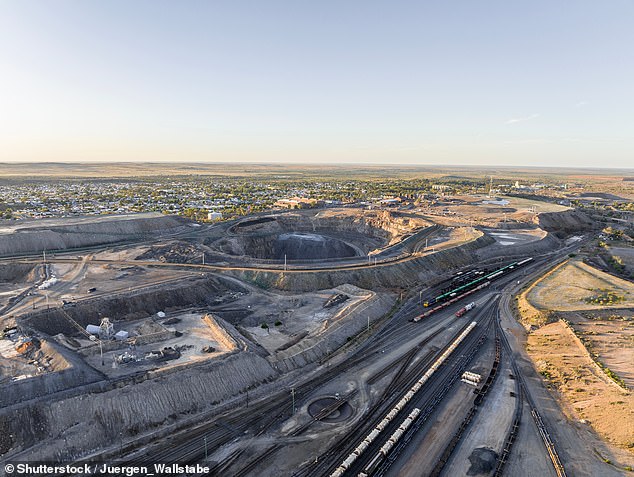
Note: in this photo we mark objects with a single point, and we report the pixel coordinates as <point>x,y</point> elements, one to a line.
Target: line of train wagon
<point>371,437</point>
<point>450,302</point>
<point>389,444</point>
<point>452,296</point>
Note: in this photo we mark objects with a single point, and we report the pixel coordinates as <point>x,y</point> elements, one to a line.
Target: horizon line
<point>317,164</point>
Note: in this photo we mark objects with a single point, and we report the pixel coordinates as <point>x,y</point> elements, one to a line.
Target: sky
<point>541,83</point>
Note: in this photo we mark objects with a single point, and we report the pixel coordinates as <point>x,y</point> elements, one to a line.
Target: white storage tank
<point>93,329</point>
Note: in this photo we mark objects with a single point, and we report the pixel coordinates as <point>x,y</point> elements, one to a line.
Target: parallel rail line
<point>541,426</point>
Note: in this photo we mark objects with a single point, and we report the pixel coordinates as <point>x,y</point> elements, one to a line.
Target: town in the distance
<point>296,320</point>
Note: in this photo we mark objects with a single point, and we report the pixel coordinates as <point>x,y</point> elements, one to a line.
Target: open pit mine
<point>310,342</point>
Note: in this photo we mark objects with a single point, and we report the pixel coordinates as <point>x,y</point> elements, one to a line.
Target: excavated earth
<point>62,234</point>
<point>315,235</point>
<point>193,292</point>
<point>62,417</point>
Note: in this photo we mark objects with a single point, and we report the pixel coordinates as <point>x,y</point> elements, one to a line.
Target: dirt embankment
<point>219,333</point>
<point>578,286</point>
<point>62,429</point>
<point>132,306</point>
<point>585,390</point>
<point>531,315</point>
<point>546,244</point>
<point>388,276</point>
<point>33,239</point>
<point>17,272</point>
<point>66,371</point>
<point>585,359</point>
<point>334,334</point>
<point>136,305</point>
<point>565,223</point>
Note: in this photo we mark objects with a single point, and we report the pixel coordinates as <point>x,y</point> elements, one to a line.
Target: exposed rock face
<point>379,223</point>
<point>400,274</point>
<point>316,235</point>
<point>295,246</point>
<point>334,335</point>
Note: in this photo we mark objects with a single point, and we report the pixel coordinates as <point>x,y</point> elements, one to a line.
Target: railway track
<point>332,456</point>
<point>189,453</point>
<point>253,464</point>
<point>191,448</point>
<point>481,394</point>
<point>549,443</point>
<point>402,363</point>
<point>511,434</point>
<point>440,390</point>
<point>361,428</point>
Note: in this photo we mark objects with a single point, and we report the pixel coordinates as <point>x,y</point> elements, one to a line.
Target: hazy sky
<point>459,82</point>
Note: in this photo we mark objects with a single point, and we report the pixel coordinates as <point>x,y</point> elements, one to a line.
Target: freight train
<point>483,280</point>
<point>465,309</point>
<point>371,437</point>
<point>450,302</point>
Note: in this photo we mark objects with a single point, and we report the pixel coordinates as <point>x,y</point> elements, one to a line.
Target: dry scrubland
<point>588,393</point>
<point>584,346</point>
<point>577,286</point>
<point>572,286</point>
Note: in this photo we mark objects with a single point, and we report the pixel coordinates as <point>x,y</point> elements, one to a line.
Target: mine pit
<point>227,325</point>
<point>310,235</point>
<point>293,246</point>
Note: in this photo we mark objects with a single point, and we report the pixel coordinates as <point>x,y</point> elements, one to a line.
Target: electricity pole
<point>293,395</point>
